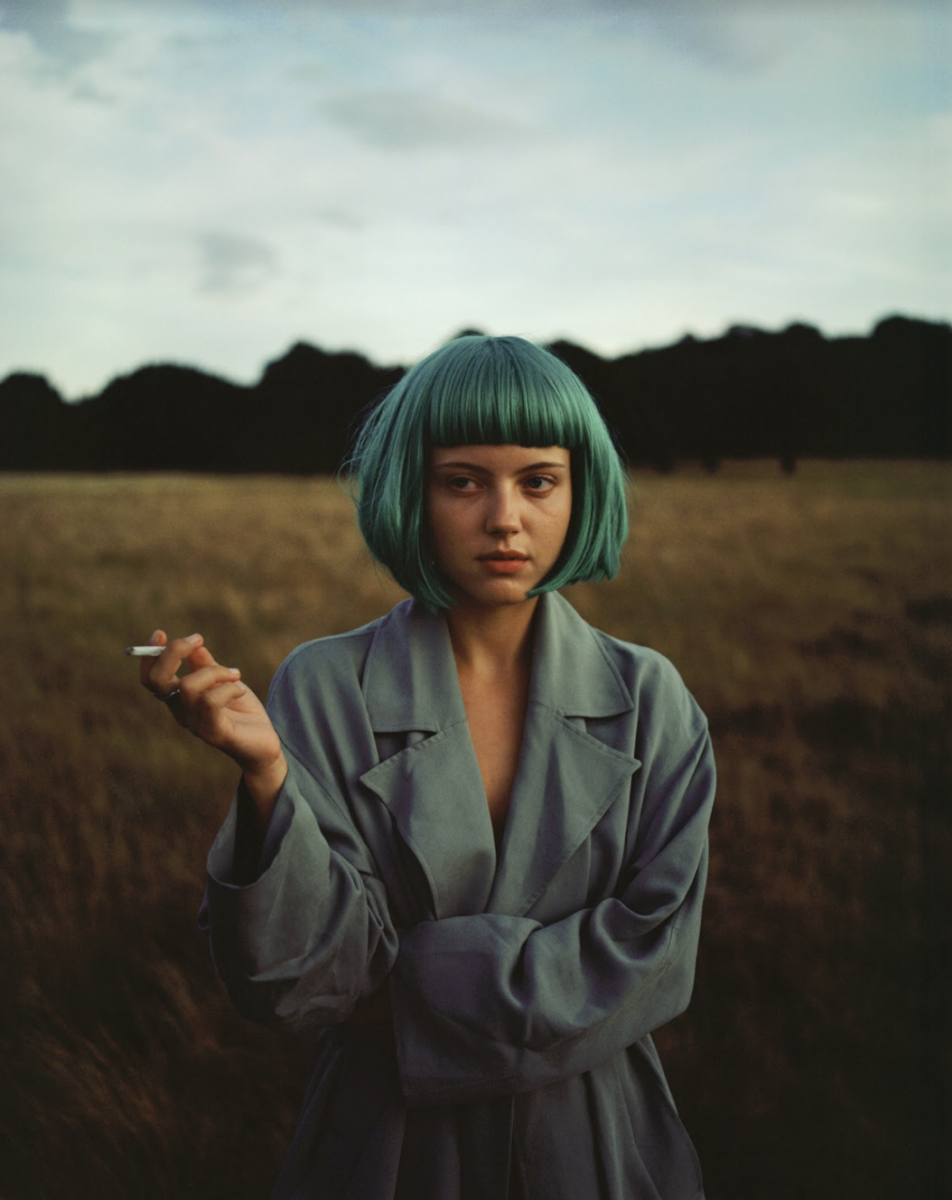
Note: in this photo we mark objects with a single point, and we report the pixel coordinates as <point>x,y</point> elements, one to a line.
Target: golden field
<point>812,617</point>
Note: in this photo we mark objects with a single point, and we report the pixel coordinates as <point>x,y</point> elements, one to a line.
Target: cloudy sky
<point>208,181</point>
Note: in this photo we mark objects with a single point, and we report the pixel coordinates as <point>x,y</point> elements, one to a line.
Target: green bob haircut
<point>479,390</point>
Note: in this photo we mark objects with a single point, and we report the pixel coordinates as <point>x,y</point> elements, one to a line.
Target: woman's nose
<point>503,513</point>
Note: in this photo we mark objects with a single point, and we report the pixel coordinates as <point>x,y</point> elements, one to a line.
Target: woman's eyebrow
<point>539,466</point>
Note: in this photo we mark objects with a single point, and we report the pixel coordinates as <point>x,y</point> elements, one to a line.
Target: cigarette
<point>144,651</point>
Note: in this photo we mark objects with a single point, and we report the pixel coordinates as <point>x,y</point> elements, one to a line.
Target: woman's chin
<point>497,593</point>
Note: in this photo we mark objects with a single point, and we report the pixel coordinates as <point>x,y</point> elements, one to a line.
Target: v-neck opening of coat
<point>468,868</point>
<point>500,841</point>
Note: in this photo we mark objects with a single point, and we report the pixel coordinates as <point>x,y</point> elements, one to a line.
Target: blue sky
<point>209,181</point>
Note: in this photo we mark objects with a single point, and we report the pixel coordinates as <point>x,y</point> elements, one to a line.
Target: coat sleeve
<point>306,935</point>
<point>491,1005</point>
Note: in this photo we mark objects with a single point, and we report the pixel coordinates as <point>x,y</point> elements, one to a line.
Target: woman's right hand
<point>212,703</point>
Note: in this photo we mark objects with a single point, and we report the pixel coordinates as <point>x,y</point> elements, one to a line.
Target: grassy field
<point>812,617</point>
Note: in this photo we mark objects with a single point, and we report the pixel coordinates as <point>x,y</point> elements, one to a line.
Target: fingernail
<point>194,637</point>
<point>234,671</point>
<point>154,639</point>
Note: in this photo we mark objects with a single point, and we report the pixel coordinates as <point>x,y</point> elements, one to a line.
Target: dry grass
<point>811,615</point>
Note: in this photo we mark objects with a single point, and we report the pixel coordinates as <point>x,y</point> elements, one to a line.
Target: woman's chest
<point>562,841</point>
<point>495,729</point>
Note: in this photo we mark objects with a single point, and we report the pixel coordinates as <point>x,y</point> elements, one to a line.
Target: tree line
<point>747,394</point>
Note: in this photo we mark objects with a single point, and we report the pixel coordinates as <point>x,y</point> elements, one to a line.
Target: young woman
<point>470,839</point>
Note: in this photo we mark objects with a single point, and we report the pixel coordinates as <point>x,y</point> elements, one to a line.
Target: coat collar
<point>565,782</point>
<point>410,680</point>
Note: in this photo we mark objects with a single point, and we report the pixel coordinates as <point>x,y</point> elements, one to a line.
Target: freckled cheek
<point>558,526</point>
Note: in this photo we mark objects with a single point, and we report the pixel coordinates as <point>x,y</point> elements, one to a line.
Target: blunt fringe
<point>479,390</point>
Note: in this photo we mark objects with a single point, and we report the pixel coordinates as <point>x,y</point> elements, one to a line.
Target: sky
<point>207,182</point>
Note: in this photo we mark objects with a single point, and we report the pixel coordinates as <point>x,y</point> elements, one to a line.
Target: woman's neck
<point>488,641</point>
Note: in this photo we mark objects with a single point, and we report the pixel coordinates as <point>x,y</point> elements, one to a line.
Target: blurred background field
<point>810,614</point>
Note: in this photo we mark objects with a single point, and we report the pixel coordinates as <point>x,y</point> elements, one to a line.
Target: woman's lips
<point>504,562</point>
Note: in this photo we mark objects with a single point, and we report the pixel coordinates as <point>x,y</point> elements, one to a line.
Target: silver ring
<point>169,697</point>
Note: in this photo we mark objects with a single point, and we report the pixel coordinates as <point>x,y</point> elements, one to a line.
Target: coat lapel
<point>565,782</point>
<point>432,788</point>
<point>567,779</point>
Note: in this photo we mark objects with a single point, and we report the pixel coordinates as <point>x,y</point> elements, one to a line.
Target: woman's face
<point>498,517</point>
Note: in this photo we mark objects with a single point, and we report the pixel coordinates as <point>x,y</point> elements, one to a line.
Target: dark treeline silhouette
<point>747,394</point>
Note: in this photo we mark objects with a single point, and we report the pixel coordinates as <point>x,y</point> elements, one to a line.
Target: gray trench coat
<point>524,982</point>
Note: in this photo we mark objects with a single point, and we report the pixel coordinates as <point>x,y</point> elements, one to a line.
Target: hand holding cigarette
<point>161,678</point>
<point>211,702</point>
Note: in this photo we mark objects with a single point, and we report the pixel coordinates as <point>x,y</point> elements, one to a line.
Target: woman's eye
<point>538,483</point>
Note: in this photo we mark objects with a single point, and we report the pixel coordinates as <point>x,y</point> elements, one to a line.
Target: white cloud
<point>217,180</point>
<point>49,25</point>
<point>399,120</point>
<point>233,262</point>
